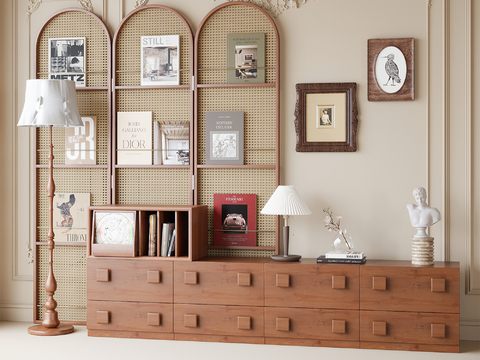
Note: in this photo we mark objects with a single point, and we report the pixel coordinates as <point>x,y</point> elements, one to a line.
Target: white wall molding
<point>15,312</point>
<point>445,129</point>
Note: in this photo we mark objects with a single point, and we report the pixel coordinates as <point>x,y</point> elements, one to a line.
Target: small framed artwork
<point>326,117</point>
<point>391,69</point>
<point>67,60</point>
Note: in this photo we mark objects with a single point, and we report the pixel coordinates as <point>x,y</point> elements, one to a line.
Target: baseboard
<point>16,312</point>
<point>470,330</point>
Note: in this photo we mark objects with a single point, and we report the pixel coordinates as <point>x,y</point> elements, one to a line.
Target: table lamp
<point>50,103</point>
<point>285,201</point>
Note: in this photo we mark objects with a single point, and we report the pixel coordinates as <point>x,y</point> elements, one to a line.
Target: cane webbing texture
<point>80,180</point>
<point>78,24</point>
<point>90,103</point>
<point>69,269</point>
<point>212,42</point>
<point>166,186</point>
<point>149,22</point>
<point>260,115</point>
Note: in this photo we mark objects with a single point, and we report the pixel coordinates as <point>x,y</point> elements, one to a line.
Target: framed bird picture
<point>391,69</point>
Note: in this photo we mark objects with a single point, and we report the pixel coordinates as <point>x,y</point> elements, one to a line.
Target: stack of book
<point>343,257</point>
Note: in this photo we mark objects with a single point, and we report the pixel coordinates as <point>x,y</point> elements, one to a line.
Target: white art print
<point>390,69</point>
<point>224,145</point>
<point>67,60</point>
<point>80,142</point>
<point>160,60</point>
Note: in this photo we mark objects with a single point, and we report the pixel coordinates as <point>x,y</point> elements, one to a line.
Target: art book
<point>224,138</point>
<point>67,60</point>
<point>234,219</point>
<point>160,60</point>
<point>246,58</point>
<point>134,138</point>
<point>70,217</point>
<point>80,142</point>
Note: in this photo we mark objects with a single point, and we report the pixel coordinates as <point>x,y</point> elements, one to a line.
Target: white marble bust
<point>422,216</point>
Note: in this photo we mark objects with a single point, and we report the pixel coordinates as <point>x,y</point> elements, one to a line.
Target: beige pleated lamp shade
<point>285,201</point>
<point>50,102</point>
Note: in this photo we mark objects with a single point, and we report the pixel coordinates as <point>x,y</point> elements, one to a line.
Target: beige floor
<point>17,344</point>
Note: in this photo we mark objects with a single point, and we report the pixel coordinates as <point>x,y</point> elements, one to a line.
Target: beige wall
<point>401,145</point>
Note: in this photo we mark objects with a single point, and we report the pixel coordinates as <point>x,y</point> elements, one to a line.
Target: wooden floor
<point>16,343</point>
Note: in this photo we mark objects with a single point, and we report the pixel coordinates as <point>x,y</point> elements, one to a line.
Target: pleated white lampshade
<point>285,201</point>
<point>50,102</point>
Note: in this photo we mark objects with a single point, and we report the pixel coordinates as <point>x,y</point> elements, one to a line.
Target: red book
<point>234,219</point>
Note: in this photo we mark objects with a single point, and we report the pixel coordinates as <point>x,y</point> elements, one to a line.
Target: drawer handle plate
<point>283,280</point>
<point>244,279</point>
<point>379,283</point>
<point>283,324</point>
<point>154,319</point>
<point>437,330</point>
<point>103,275</point>
<point>190,278</point>
<point>190,320</point>
<point>379,328</point>
<point>437,285</point>
<point>103,317</point>
<point>339,327</point>
<point>338,282</point>
<point>244,323</point>
<point>154,276</point>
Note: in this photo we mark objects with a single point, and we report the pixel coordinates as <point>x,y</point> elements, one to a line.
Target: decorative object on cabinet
<point>224,138</point>
<point>391,69</point>
<point>50,103</point>
<point>286,201</point>
<point>70,216</point>
<point>246,58</point>
<point>159,60</point>
<point>422,217</point>
<point>67,60</point>
<point>80,142</point>
<point>337,260</point>
<point>326,117</point>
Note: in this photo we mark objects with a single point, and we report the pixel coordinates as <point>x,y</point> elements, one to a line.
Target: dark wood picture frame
<point>347,121</point>
<point>407,81</point>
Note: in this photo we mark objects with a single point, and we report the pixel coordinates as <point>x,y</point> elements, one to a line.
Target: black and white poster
<point>67,60</point>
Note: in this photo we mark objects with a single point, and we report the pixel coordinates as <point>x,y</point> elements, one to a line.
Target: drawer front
<point>312,324</point>
<point>409,289</point>
<point>219,283</point>
<point>219,320</point>
<point>130,280</point>
<point>299,285</point>
<point>129,316</point>
<point>409,327</point>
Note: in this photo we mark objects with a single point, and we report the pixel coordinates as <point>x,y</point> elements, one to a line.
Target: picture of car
<point>234,222</point>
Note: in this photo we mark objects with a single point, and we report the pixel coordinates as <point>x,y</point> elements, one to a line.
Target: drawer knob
<point>154,319</point>
<point>379,283</point>
<point>103,317</point>
<point>283,280</point>
<point>437,285</point>
<point>338,327</point>
<point>244,322</point>
<point>437,330</point>
<point>244,279</point>
<point>103,275</point>
<point>190,278</point>
<point>154,276</point>
<point>190,320</point>
<point>338,282</point>
<point>283,324</point>
<point>379,328</point>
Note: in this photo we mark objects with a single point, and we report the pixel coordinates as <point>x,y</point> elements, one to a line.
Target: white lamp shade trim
<point>285,201</point>
<point>50,102</point>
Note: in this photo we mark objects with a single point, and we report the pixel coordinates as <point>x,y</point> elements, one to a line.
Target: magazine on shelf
<point>152,235</point>
<point>337,254</point>
<point>80,142</point>
<point>70,216</point>
<point>323,259</point>
<point>234,219</point>
<point>134,138</point>
<point>246,58</point>
<point>171,244</point>
<point>160,60</point>
<point>224,138</point>
<point>167,231</point>
<point>67,60</point>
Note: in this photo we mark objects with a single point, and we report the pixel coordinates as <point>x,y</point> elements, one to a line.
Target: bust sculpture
<point>422,216</point>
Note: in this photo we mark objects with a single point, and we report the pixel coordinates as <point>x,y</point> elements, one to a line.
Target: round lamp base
<point>41,330</point>
<point>286,257</point>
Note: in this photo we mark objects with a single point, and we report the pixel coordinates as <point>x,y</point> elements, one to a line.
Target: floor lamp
<point>50,103</point>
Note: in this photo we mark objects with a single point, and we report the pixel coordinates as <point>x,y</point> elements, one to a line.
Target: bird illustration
<point>392,70</point>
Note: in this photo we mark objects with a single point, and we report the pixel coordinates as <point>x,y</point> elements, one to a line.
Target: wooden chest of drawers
<point>378,305</point>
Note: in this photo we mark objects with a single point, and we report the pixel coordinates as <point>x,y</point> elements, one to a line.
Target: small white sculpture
<point>422,216</point>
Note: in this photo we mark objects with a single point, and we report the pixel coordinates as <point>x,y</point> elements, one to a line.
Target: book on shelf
<point>80,142</point>
<point>173,139</point>
<point>338,254</point>
<point>323,259</point>
<point>167,230</point>
<point>157,143</point>
<point>224,138</point>
<point>171,245</point>
<point>70,216</point>
<point>234,219</point>
<point>152,235</point>
<point>134,138</point>
<point>67,60</point>
<point>246,58</point>
<point>160,60</point>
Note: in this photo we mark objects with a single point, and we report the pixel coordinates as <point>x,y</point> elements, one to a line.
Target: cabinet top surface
<point>145,207</point>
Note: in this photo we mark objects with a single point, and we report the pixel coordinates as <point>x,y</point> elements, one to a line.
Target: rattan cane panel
<point>260,120</point>
<point>78,24</point>
<point>149,22</point>
<point>81,180</point>
<point>212,42</point>
<point>165,186</point>
<point>69,269</point>
<point>90,103</point>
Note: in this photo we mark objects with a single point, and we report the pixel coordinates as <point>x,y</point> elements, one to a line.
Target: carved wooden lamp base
<point>41,330</point>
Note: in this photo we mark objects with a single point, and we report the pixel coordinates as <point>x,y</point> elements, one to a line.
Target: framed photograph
<point>326,117</point>
<point>67,60</point>
<point>160,60</point>
<point>391,69</point>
